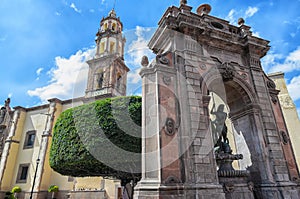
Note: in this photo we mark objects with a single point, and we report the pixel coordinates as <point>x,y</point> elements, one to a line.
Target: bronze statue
<point>219,127</point>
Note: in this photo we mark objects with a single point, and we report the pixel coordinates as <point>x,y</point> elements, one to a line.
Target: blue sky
<point>44,44</point>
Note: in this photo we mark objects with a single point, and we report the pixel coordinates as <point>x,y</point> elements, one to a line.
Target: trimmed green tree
<point>102,138</point>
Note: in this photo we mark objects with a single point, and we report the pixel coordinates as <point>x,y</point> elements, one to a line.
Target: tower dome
<point>112,13</point>
<point>109,37</point>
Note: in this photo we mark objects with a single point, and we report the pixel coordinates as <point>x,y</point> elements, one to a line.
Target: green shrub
<point>90,140</point>
<point>53,188</point>
<point>16,189</point>
<point>9,195</point>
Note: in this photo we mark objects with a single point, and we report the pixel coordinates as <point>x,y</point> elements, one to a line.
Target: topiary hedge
<point>102,138</point>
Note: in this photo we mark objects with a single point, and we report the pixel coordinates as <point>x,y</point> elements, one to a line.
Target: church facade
<point>26,133</point>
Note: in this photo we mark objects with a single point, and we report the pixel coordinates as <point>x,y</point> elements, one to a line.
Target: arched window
<point>102,45</point>
<point>113,27</point>
<point>119,81</point>
<point>105,26</point>
<point>112,47</point>
<point>100,80</point>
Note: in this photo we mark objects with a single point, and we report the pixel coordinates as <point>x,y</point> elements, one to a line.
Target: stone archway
<point>245,115</point>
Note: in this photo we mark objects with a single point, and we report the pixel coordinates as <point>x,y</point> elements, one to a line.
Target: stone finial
<point>7,106</point>
<point>203,9</point>
<point>241,21</point>
<point>145,61</point>
<point>183,2</point>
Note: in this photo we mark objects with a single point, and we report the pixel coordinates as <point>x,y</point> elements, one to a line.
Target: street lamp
<point>36,168</point>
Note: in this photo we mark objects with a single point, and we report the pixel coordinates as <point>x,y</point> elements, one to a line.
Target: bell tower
<point>107,70</point>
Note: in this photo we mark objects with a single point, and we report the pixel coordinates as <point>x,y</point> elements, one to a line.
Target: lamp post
<point>36,168</point>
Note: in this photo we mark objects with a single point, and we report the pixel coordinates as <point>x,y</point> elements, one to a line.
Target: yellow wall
<point>35,120</point>
<point>10,173</point>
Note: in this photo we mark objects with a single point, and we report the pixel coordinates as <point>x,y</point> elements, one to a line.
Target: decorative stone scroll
<point>271,84</point>
<point>167,80</point>
<point>170,126</point>
<point>162,59</point>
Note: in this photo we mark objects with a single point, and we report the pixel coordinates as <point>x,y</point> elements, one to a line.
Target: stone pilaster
<point>7,155</point>
<point>44,145</point>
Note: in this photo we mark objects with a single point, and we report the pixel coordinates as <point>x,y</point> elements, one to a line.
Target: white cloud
<point>136,50</point>
<point>92,10</point>
<point>294,56</point>
<point>68,78</point>
<point>250,11</point>
<point>38,71</point>
<point>294,88</point>
<point>134,76</point>
<point>269,61</point>
<point>9,95</point>
<point>256,34</point>
<point>291,63</point>
<point>234,15</point>
<point>231,16</point>
<point>57,13</point>
<point>75,8</point>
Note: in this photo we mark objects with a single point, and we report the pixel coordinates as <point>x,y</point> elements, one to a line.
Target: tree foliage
<point>102,138</point>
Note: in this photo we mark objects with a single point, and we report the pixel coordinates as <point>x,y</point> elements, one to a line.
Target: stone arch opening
<point>244,116</point>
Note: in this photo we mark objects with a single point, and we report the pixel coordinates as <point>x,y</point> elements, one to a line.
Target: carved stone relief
<point>172,180</point>
<point>167,80</point>
<point>170,126</point>
<point>286,101</point>
<point>284,137</point>
<point>227,71</point>
<point>228,187</point>
<point>162,59</point>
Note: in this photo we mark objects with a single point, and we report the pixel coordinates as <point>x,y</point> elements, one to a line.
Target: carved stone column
<point>44,144</point>
<point>8,144</point>
<point>161,164</point>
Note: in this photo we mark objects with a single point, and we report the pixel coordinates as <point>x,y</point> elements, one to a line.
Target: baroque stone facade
<point>198,54</point>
